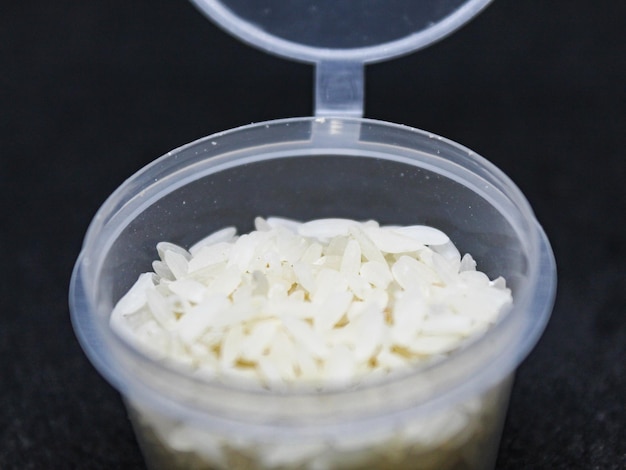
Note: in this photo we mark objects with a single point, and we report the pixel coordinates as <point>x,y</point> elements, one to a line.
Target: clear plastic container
<point>446,415</point>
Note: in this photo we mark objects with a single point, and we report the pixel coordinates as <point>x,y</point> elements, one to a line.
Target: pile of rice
<point>329,302</point>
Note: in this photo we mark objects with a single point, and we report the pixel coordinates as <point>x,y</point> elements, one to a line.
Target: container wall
<point>312,187</point>
<point>464,436</point>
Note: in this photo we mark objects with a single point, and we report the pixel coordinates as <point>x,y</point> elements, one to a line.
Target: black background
<point>92,91</point>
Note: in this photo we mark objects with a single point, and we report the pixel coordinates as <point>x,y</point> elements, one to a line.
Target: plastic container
<point>446,415</point>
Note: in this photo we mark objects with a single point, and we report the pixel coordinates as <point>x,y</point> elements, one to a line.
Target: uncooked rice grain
<point>326,302</point>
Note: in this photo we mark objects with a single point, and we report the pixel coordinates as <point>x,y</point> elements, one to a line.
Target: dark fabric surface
<point>92,91</point>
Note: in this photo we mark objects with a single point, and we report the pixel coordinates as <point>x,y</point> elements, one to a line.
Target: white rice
<point>328,302</point>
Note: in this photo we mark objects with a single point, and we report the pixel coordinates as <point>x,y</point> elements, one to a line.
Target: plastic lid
<point>340,35</point>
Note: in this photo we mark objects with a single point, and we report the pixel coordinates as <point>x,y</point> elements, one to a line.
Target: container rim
<point>514,336</point>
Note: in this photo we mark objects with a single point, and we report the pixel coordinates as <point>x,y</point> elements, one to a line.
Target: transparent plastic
<point>448,415</point>
<point>361,31</point>
<point>340,36</point>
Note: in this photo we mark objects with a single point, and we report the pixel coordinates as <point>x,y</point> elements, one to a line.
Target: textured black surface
<point>92,91</point>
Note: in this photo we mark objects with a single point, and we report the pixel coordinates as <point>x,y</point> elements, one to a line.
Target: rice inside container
<point>334,164</point>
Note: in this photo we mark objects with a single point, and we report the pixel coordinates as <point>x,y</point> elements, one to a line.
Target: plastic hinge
<point>339,89</point>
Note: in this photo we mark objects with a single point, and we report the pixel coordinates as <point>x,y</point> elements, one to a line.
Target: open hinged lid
<point>340,36</point>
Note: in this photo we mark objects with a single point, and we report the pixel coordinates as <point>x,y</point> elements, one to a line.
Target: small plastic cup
<point>447,415</point>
